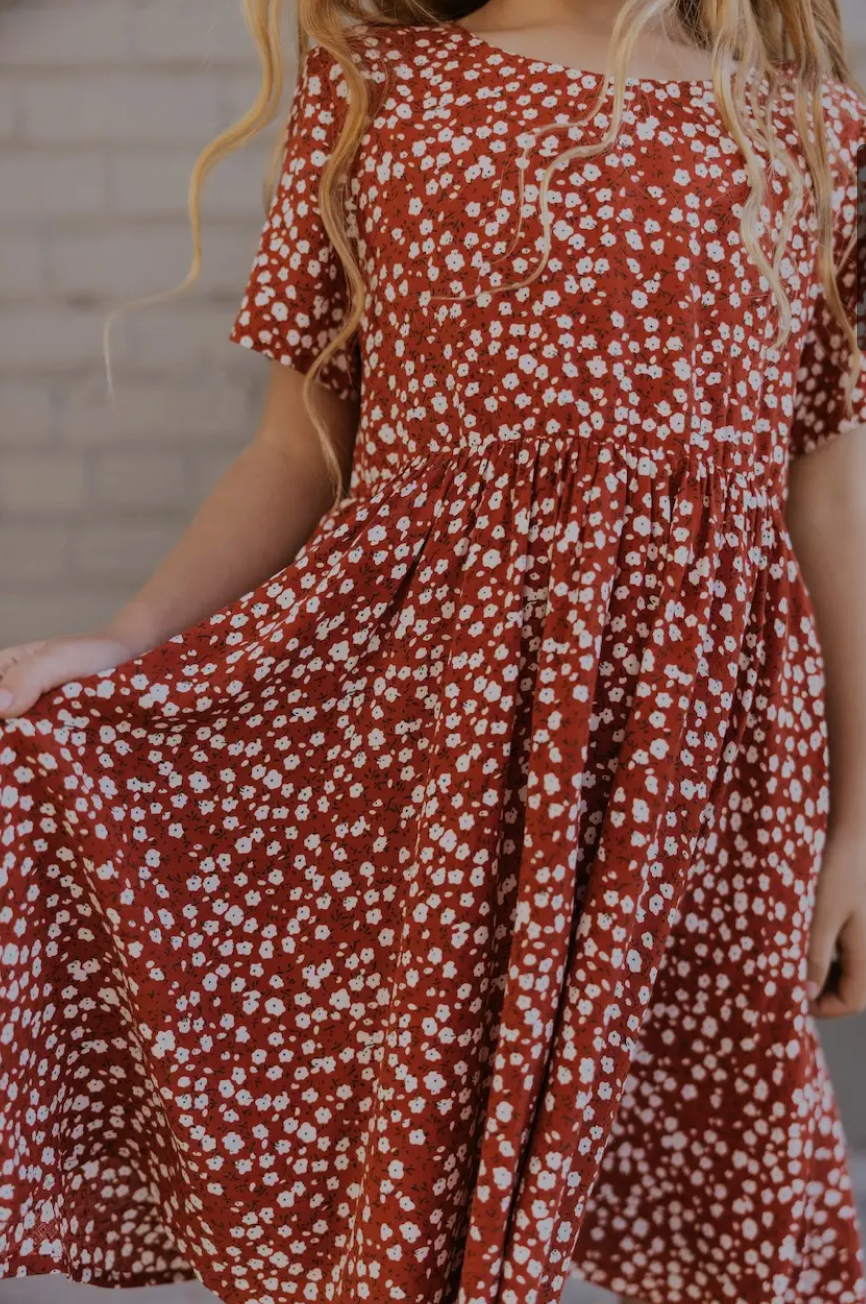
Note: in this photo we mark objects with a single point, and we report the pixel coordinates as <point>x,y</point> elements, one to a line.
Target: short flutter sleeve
<point>820,412</point>
<point>297,295</point>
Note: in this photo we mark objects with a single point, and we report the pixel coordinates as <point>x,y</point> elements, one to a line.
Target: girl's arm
<point>263,509</point>
<point>826,516</point>
<point>254,522</point>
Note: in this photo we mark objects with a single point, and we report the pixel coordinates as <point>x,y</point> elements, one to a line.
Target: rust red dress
<point>431,922</point>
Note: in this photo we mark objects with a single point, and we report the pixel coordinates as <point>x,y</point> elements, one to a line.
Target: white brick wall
<point>104,105</point>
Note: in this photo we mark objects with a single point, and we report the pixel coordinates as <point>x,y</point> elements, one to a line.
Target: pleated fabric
<point>431,922</point>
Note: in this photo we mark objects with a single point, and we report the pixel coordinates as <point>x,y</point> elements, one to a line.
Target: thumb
<point>822,941</point>
<point>25,682</point>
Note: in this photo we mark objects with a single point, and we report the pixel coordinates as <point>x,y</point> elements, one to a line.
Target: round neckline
<point>490,49</point>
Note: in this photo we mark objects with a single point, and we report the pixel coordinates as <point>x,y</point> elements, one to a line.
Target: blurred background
<point>104,105</point>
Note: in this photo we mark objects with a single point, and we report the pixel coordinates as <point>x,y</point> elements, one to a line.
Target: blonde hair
<point>746,38</point>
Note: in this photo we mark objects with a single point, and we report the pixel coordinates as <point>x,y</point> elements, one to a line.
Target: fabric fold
<point>432,959</point>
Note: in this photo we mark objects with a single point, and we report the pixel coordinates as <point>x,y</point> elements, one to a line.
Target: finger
<point>25,681</point>
<point>822,940</point>
<point>829,1004</point>
<point>20,687</point>
<point>10,656</point>
<point>847,994</point>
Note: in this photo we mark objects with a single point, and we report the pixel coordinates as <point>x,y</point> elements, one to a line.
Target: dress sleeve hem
<point>333,376</point>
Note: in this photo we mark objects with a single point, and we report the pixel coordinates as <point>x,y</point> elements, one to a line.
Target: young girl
<point>447,913</point>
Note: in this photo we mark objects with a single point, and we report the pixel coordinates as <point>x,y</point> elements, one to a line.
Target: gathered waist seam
<point>763,481</point>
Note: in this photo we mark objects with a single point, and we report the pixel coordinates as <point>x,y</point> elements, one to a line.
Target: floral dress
<point>431,922</point>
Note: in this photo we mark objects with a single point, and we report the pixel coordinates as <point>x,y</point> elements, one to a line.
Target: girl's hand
<point>837,986</point>
<point>31,669</point>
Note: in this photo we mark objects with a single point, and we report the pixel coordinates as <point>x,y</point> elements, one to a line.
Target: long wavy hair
<point>748,40</point>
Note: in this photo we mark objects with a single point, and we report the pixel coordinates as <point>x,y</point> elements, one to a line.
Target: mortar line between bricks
<point>113,143</point>
<point>96,302</point>
<point>220,371</point>
<point>105,222</point>
<point>21,72</point>
<point>54,148</point>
